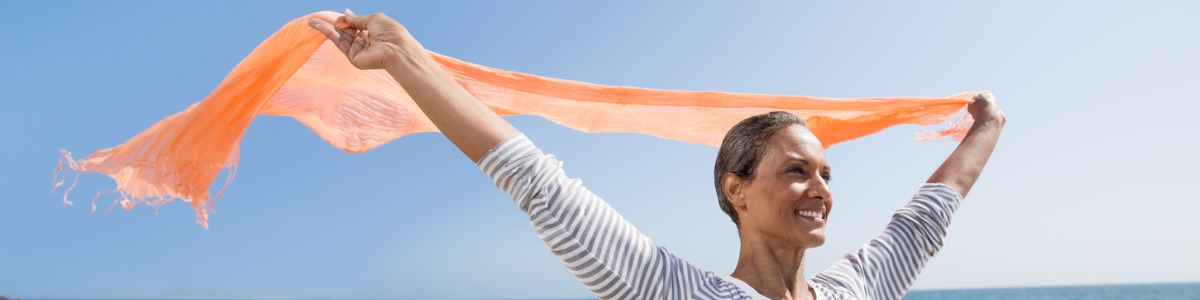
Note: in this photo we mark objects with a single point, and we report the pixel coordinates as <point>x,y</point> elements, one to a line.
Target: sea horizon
<point>1161,290</point>
<point>1057,285</point>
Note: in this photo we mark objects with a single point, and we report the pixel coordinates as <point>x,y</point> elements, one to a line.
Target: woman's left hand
<point>962,168</point>
<point>984,108</point>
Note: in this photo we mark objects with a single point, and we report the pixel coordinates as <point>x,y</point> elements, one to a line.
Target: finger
<point>339,38</point>
<point>330,18</point>
<point>322,26</point>
<point>325,28</point>
<point>359,43</point>
<point>341,23</point>
<point>356,21</point>
<point>986,96</point>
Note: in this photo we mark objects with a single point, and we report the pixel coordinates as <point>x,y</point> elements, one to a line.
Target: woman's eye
<point>797,170</point>
<point>827,177</point>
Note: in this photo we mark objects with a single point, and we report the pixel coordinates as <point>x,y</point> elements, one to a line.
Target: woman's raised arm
<point>376,41</point>
<point>963,167</point>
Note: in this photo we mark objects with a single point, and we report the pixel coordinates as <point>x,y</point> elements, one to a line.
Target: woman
<point>771,177</point>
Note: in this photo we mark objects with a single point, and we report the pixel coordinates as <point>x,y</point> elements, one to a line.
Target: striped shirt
<point>616,261</point>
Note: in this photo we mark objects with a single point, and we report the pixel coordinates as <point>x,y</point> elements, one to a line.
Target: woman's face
<point>788,200</point>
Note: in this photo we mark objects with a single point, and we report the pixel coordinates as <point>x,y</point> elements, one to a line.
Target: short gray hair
<point>743,147</point>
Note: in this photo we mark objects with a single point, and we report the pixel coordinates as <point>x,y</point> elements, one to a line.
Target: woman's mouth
<point>812,215</point>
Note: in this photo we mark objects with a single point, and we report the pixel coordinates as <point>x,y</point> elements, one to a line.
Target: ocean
<point>1158,291</point>
<point>1165,291</point>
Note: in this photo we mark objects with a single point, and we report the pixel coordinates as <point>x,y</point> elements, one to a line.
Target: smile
<point>808,213</point>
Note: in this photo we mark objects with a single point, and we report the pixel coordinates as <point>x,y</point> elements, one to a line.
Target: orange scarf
<point>297,73</point>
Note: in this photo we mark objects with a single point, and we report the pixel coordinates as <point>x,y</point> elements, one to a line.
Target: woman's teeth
<point>807,213</point>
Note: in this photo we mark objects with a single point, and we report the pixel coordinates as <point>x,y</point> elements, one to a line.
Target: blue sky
<point>1092,182</point>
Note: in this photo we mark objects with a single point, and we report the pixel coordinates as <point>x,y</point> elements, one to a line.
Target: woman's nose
<point>818,188</point>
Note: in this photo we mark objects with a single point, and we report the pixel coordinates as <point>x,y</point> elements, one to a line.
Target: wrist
<point>991,117</point>
<point>408,63</point>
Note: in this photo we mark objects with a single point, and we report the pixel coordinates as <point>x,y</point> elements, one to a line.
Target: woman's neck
<point>773,271</point>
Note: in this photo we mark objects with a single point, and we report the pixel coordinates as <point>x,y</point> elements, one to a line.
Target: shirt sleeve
<point>886,266</point>
<point>603,250</point>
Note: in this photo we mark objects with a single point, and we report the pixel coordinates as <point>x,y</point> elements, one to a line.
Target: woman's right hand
<point>372,41</point>
<point>376,41</point>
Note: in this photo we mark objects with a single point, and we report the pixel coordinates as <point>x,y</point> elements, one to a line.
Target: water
<point>1160,291</point>
<point>1167,291</point>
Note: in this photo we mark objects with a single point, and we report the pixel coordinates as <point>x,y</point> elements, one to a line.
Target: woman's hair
<point>744,146</point>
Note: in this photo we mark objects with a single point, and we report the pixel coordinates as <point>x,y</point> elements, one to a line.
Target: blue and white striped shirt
<point>615,261</point>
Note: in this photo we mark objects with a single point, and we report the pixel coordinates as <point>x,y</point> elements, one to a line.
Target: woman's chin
<point>813,239</point>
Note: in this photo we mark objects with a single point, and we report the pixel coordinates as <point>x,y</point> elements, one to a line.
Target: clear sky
<point>1092,183</point>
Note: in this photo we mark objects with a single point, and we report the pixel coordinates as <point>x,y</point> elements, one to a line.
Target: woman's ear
<point>734,187</point>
